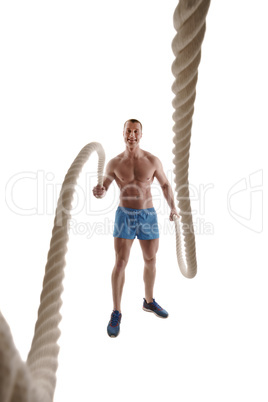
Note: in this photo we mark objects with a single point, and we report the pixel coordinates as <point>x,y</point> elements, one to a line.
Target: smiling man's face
<point>132,134</point>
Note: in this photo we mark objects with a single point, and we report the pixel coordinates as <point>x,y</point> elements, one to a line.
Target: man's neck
<point>133,153</point>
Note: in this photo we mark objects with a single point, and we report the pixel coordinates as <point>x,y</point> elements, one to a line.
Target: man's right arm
<point>109,174</point>
<point>100,191</point>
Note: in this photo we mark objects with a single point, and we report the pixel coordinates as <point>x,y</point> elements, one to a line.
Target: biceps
<point>161,177</point>
<point>108,178</point>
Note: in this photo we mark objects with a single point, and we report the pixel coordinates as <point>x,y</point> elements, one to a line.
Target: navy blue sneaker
<point>153,307</point>
<point>113,328</point>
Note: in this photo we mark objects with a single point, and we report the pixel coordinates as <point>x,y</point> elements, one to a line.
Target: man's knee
<point>149,258</point>
<point>121,262</point>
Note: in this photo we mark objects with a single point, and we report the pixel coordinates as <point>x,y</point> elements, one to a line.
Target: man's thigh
<point>122,247</point>
<point>149,248</point>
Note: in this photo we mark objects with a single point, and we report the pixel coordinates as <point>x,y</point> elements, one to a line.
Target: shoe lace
<point>156,305</point>
<point>115,316</point>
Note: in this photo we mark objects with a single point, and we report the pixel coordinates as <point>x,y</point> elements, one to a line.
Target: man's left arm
<point>166,187</point>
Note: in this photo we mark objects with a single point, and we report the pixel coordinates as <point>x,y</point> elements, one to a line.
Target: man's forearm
<point>106,182</point>
<point>168,194</point>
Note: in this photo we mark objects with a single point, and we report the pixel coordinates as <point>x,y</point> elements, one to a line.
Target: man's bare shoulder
<point>114,161</point>
<point>152,158</point>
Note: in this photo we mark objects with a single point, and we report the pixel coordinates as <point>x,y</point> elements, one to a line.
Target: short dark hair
<point>133,121</point>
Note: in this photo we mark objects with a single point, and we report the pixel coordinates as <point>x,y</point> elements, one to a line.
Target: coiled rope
<point>42,358</point>
<point>40,372</point>
<point>190,24</point>
<point>35,381</point>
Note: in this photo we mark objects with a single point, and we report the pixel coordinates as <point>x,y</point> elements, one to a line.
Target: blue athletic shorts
<point>141,223</point>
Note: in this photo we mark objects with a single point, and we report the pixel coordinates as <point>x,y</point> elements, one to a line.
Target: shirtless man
<point>134,171</point>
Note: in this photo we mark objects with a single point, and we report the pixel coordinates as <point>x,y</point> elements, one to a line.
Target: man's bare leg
<point>149,250</point>
<point>122,250</point>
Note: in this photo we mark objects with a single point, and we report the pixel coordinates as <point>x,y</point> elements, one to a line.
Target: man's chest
<point>131,170</point>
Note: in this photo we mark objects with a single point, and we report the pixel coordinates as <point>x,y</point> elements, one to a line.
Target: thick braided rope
<point>190,24</point>
<point>36,380</point>
<point>16,383</point>
<point>42,359</point>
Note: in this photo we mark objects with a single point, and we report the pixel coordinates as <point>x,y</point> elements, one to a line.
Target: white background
<point>72,73</point>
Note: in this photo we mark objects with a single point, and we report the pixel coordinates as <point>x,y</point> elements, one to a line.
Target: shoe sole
<point>151,311</point>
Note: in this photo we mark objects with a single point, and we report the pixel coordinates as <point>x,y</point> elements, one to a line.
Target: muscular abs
<point>134,178</point>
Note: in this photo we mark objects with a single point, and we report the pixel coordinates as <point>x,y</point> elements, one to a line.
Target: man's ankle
<point>149,300</point>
